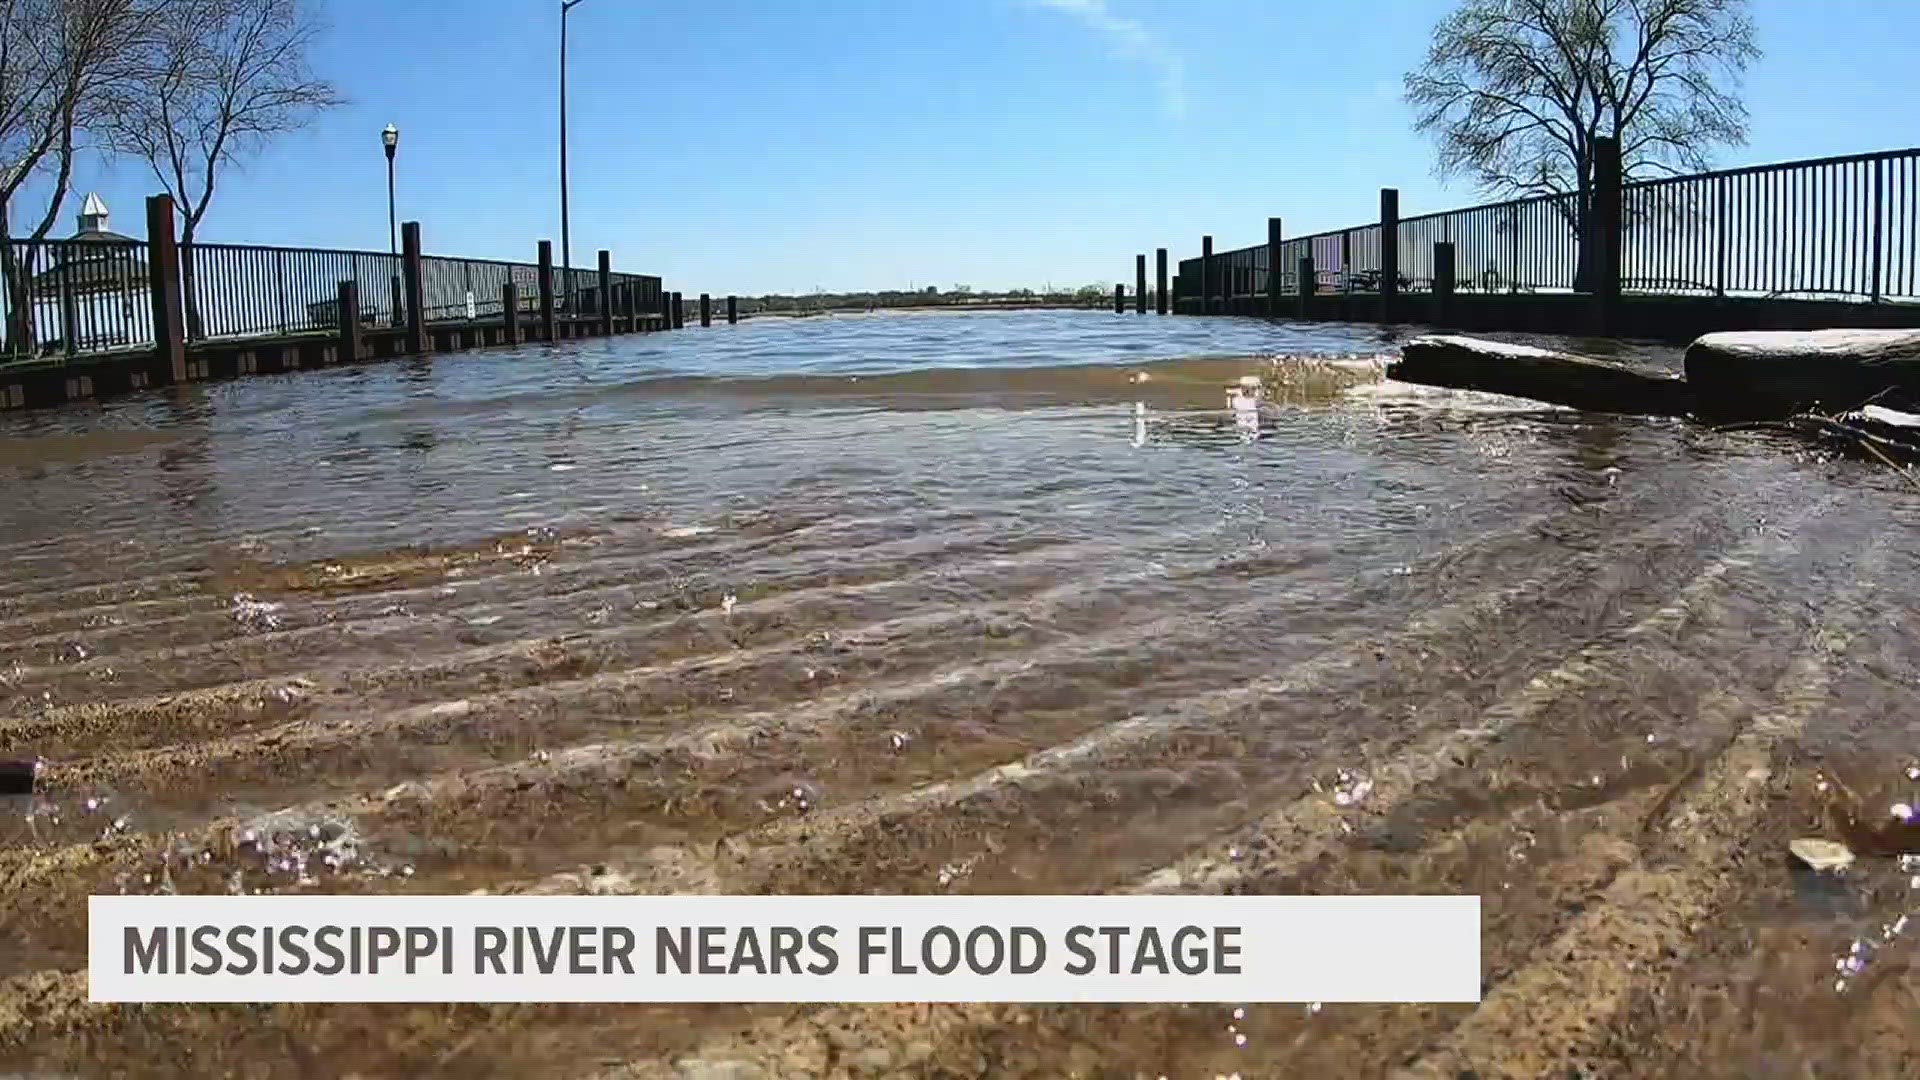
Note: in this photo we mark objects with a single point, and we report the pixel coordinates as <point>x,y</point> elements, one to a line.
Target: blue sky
<point>778,145</point>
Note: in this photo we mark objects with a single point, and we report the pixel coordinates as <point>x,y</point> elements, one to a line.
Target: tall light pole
<point>390,138</point>
<point>566,246</point>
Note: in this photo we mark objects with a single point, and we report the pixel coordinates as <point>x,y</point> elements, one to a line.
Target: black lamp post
<point>566,246</point>
<point>390,138</point>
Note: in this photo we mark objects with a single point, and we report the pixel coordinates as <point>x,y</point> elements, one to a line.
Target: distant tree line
<point>932,296</point>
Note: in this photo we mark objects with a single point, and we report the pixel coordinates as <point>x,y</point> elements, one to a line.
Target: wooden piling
<point>1444,270</point>
<point>679,311</point>
<point>163,276</point>
<point>605,301</point>
<point>1306,281</point>
<point>733,310</point>
<point>1139,284</point>
<point>1389,251</point>
<point>1120,299</point>
<point>1160,281</point>
<point>1275,280</point>
<point>706,310</point>
<point>509,314</point>
<point>1604,230</point>
<point>416,287</point>
<point>546,291</point>
<point>349,304</point>
<point>1209,275</point>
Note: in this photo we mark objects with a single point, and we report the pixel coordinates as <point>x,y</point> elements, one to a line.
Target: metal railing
<point>64,297</point>
<point>1843,228</point>
<point>69,297</point>
<point>1832,228</point>
<point>240,290</point>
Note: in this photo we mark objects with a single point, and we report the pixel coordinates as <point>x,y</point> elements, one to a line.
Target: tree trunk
<point>188,291</point>
<point>19,332</point>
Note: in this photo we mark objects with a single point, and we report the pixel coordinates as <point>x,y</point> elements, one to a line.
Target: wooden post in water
<point>1139,284</point>
<point>349,305</point>
<point>706,310</point>
<point>1209,275</point>
<point>733,310</point>
<point>1389,251</point>
<point>666,307</point>
<point>1604,230</point>
<point>679,311</point>
<point>1160,281</point>
<point>1305,282</point>
<point>605,301</point>
<point>509,314</point>
<point>416,287</point>
<point>1275,280</point>
<point>546,290</point>
<point>1444,270</point>
<point>1120,299</point>
<point>163,277</point>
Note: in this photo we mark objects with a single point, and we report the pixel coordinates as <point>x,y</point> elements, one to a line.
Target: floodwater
<point>1001,602</point>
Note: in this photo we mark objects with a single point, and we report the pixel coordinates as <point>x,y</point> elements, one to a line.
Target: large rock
<point>1781,372</point>
<point>1464,363</point>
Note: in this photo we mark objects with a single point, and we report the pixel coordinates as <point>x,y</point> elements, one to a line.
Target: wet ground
<point>966,603</point>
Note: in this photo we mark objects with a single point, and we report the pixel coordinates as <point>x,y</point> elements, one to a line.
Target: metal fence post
<point>1879,196</point>
<point>1444,270</point>
<point>1721,238</point>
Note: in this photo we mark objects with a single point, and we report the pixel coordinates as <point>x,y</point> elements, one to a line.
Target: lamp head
<point>390,138</point>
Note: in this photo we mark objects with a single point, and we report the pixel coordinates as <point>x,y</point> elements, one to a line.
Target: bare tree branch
<point>1514,92</point>
<point>222,78</point>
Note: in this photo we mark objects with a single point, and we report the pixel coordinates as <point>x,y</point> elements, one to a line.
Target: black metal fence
<point>67,296</point>
<point>1845,228</point>
<point>70,297</point>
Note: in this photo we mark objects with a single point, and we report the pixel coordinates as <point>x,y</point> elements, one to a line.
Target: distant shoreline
<point>993,305</point>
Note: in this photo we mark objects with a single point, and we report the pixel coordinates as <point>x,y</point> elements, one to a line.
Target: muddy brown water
<point>966,603</point>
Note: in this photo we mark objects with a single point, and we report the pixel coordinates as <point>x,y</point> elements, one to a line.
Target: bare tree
<point>1515,92</point>
<point>224,78</point>
<point>59,60</point>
